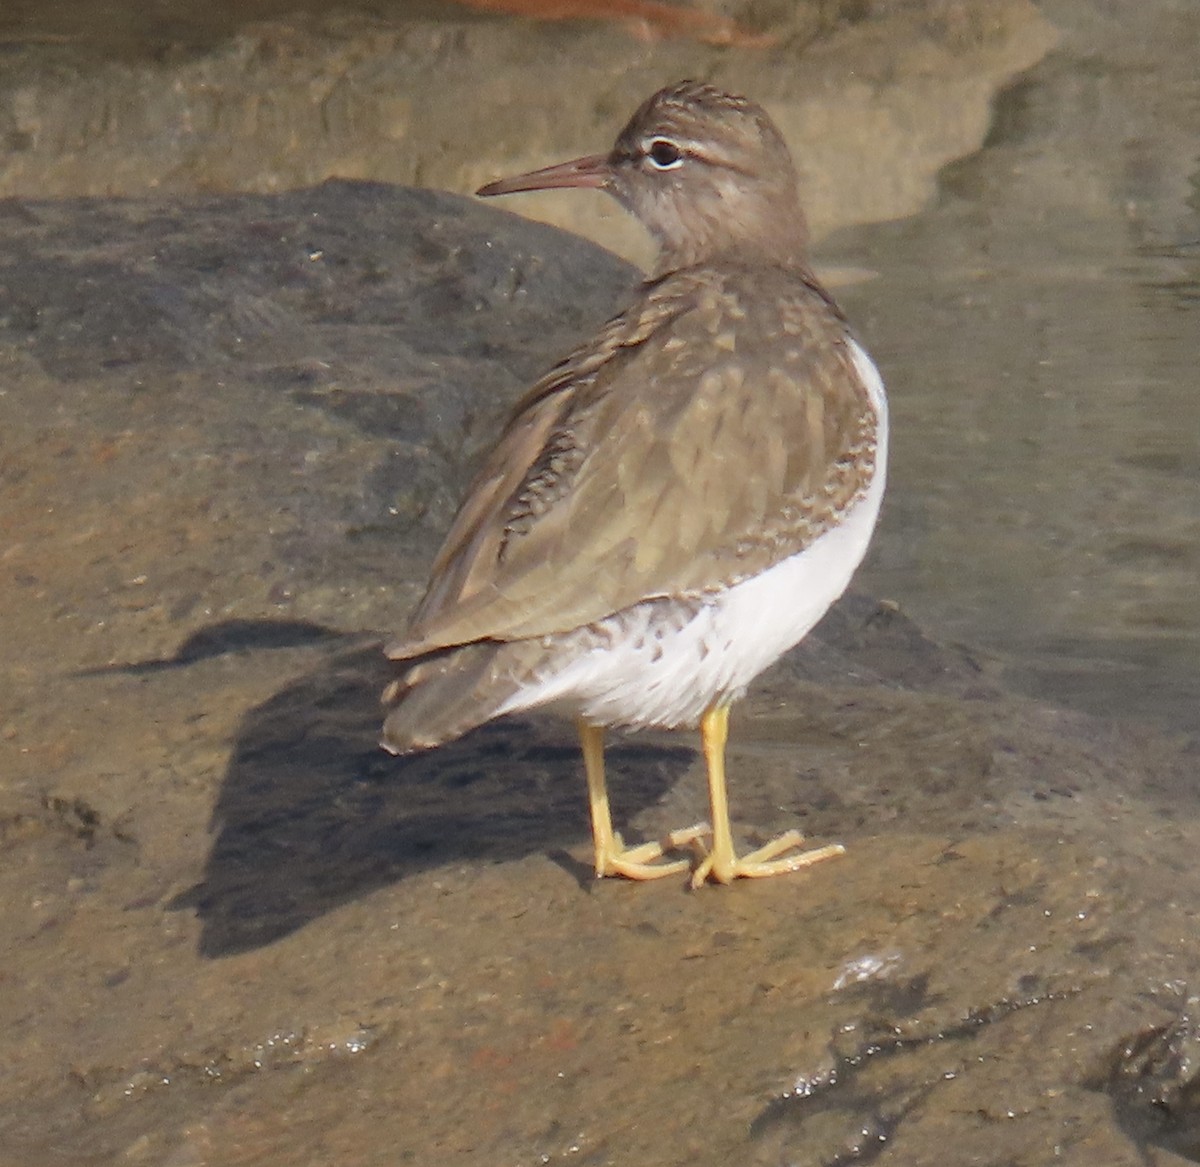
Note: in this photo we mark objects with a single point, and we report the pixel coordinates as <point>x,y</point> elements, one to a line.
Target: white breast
<point>662,665</point>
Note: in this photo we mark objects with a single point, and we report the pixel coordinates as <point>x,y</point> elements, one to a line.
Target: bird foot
<point>637,862</point>
<point>726,867</point>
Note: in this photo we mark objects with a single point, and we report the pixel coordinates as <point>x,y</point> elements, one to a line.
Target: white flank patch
<point>660,671</point>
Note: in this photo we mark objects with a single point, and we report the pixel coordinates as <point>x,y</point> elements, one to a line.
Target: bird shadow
<point>313,814</point>
<point>225,638</point>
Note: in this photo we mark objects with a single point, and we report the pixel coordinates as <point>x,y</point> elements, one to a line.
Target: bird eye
<point>664,154</point>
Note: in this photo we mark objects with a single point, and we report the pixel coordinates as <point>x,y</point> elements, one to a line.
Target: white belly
<point>662,665</point>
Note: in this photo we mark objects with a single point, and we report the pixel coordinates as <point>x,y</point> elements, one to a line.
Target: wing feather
<point>696,442</point>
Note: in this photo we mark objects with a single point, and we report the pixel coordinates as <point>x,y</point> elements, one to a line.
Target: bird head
<point>705,171</point>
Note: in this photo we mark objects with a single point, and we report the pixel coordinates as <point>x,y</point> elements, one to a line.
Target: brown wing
<point>704,436</point>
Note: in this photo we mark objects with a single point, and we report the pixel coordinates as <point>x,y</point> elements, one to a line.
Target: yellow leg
<point>721,863</point>
<point>612,856</point>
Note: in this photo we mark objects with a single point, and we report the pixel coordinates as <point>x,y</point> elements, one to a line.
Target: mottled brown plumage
<point>708,437</point>
<point>620,476</point>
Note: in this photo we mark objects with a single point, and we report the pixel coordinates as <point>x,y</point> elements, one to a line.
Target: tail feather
<point>443,696</point>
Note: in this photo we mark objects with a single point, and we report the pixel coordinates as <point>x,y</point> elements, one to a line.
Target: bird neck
<point>722,223</point>
<point>788,251</point>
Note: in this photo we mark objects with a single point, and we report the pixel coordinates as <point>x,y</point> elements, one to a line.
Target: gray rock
<point>394,325</point>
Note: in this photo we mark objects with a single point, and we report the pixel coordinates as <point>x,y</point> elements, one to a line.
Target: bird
<point>677,502</point>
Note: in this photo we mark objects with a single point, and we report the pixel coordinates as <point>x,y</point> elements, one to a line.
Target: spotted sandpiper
<point>676,503</point>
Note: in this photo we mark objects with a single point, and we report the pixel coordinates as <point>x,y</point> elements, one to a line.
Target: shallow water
<point>1040,332</point>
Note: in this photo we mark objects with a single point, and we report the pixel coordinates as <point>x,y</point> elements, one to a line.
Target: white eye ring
<point>663,154</point>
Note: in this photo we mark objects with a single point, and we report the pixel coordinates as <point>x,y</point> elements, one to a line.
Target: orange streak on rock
<point>649,18</point>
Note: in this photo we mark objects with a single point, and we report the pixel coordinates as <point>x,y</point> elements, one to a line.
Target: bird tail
<point>446,694</point>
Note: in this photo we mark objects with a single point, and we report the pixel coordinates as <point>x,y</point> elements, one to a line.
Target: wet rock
<point>884,97</point>
<point>212,409</point>
<point>1153,1078</point>
<point>322,365</point>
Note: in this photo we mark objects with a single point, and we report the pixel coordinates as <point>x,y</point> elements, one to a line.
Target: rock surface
<point>872,108</point>
<point>234,428</point>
